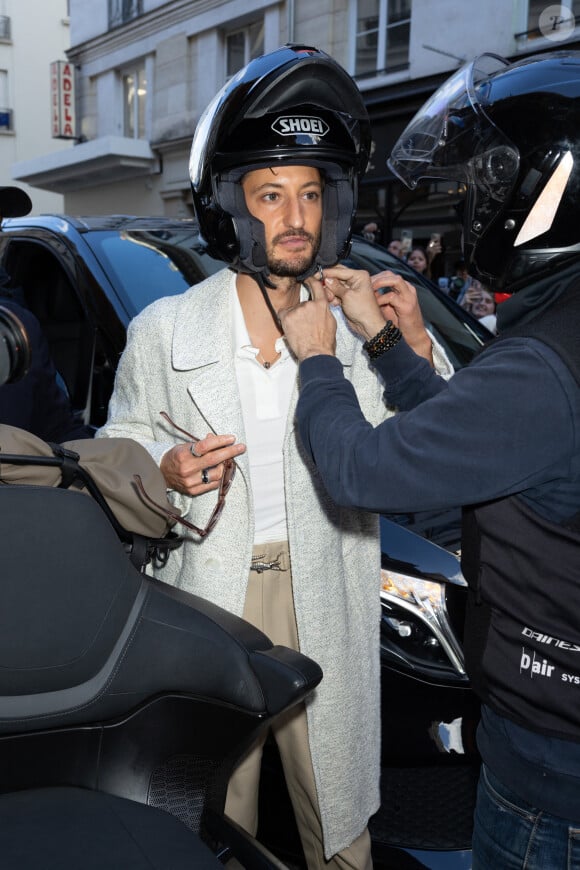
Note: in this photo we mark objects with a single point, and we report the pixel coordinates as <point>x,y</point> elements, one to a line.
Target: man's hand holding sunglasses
<point>198,466</point>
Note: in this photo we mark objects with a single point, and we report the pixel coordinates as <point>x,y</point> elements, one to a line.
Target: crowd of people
<point>428,260</point>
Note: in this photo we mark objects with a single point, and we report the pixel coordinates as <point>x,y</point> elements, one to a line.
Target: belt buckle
<point>260,566</point>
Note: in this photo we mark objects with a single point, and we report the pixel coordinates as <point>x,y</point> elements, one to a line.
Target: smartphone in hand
<point>406,242</point>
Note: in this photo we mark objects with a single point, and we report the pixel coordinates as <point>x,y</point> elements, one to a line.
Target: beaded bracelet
<point>383,341</point>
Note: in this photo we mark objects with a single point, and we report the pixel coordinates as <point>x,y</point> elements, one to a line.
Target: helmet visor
<point>452,137</point>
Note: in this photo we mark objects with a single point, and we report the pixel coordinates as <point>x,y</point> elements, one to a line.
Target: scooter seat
<point>73,828</point>
<point>125,703</point>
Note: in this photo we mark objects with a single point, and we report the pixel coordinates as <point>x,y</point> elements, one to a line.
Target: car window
<point>145,264</point>
<point>42,281</point>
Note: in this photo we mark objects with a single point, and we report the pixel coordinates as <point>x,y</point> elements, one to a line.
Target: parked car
<point>85,278</point>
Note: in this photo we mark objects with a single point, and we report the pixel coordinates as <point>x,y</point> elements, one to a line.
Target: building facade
<point>32,36</point>
<point>145,70</point>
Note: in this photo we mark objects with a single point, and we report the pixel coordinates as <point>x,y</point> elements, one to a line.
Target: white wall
<point>139,196</point>
<point>90,18</point>
<point>464,29</point>
<point>40,35</point>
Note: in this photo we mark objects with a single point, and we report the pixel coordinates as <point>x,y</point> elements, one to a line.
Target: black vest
<point>523,615</point>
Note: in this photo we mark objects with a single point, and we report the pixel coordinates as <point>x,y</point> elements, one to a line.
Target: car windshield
<point>143,265</point>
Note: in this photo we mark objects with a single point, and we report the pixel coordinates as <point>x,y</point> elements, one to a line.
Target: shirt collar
<point>240,338</point>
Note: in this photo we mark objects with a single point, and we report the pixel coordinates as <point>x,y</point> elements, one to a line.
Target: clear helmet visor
<point>451,137</point>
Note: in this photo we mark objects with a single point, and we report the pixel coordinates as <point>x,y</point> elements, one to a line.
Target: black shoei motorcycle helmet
<point>294,105</point>
<point>511,133</point>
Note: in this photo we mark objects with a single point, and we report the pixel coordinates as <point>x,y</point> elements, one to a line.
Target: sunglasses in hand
<point>225,484</point>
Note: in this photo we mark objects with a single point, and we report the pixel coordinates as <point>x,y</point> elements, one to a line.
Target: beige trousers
<point>269,606</point>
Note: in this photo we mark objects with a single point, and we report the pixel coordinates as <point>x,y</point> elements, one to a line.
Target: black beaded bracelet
<point>383,341</point>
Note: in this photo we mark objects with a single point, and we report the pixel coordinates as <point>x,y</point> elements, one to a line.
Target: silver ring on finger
<point>193,453</point>
<point>205,475</point>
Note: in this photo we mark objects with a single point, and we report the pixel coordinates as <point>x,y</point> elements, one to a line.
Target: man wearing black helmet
<point>274,166</point>
<point>509,132</point>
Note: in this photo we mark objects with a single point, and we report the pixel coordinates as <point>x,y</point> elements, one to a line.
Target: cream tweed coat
<point>179,358</point>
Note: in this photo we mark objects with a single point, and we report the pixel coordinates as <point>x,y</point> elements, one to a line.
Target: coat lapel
<point>202,346</point>
<point>346,346</point>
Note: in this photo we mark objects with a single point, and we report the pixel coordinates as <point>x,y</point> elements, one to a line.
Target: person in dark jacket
<point>37,402</point>
<point>509,132</point>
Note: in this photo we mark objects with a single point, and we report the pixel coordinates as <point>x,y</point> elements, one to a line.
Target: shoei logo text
<point>290,126</point>
<point>556,23</point>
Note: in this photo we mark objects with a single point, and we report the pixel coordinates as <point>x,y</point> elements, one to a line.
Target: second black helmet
<point>509,132</point>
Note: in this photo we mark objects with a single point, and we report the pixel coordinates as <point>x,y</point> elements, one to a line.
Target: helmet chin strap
<point>263,283</point>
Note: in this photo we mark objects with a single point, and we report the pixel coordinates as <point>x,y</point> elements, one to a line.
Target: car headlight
<point>415,630</point>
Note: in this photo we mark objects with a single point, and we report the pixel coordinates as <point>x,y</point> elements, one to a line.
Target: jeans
<point>510,834</point>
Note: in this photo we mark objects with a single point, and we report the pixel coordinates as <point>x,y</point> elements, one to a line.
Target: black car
<point>85,278</point>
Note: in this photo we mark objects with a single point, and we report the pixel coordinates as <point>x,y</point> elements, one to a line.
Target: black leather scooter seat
<point>101,832</point>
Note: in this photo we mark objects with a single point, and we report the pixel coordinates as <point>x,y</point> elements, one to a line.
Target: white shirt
<point>265,398</point>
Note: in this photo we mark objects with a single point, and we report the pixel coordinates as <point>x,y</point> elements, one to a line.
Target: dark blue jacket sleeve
<point>486,433</point>
<point>408,378</point>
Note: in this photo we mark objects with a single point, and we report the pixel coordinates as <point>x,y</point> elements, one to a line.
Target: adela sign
<point>62,88</point>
